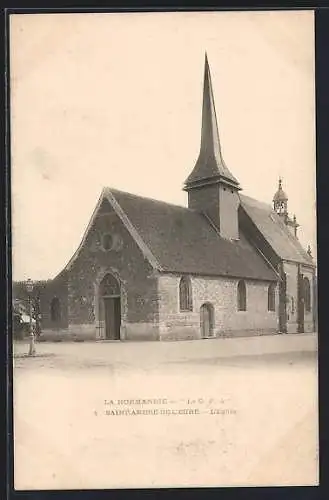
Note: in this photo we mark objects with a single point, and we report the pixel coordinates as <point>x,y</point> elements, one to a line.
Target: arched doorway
<point>207,320</point>
<point>110,306</point>
<point>300,303</point>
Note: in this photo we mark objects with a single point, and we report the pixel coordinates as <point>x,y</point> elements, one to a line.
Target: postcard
<point>164,249</point>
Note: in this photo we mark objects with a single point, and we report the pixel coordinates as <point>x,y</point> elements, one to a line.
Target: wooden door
<point>205,321</point>
<point>112,311</point>
<point>117,317</point>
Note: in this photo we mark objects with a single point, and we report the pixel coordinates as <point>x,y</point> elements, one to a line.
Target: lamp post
<point>29,288</point>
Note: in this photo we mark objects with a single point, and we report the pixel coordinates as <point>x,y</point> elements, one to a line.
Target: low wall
<point>73,333</point>
<point>166,331</point>
<point>171,332</point>
<point>248,333</point>
<point>129,331</point>
<point>140,331</point>
<point>179,332</point>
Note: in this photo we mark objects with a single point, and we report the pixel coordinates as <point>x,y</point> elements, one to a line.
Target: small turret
<point>280,200</point>
<point>280,205</point>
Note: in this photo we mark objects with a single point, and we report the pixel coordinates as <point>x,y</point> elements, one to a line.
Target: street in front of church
<point>159,413</point>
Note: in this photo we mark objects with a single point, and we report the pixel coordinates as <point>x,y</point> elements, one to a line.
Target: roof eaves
<point>232,275</point>
<point>304,263</point>
<point>91,221</point>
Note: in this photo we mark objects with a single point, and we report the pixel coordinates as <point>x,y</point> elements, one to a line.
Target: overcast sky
<point>115,100</point>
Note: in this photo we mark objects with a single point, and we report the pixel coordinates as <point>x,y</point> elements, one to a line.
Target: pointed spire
<point>210,164</point>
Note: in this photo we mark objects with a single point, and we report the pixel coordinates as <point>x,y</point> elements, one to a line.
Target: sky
<point>115,100</point>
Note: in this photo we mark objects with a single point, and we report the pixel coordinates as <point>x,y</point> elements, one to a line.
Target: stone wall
<point>139,307</point>
<point>291,270</point>
<point>222,294</point>
<point>309,315</point>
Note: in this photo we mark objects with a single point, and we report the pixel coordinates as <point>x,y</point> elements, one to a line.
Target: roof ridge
<point>147,198</point>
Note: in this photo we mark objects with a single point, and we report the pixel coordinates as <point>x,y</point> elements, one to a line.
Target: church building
<point>225,265</point>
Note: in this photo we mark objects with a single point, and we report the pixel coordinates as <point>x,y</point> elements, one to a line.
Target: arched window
<point>242,296</point>
<point>185,294</point>
<point>307,294</point>
<point>109,286</point>
<point>271,297</point>
<point>55,309</point>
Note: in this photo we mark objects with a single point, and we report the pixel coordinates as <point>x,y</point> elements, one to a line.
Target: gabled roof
<point>182,240</point>
<point>274,230</point>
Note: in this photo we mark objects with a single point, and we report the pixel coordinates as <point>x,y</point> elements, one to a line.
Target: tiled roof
<point>274,230</point>
<point>183,240</point>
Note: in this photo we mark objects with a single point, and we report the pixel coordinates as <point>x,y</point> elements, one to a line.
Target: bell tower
<point>280,206</point>
<point>211,187</point>
<point>280,201</point>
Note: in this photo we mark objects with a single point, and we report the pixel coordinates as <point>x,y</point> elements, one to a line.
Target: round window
<point>107,241</point>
